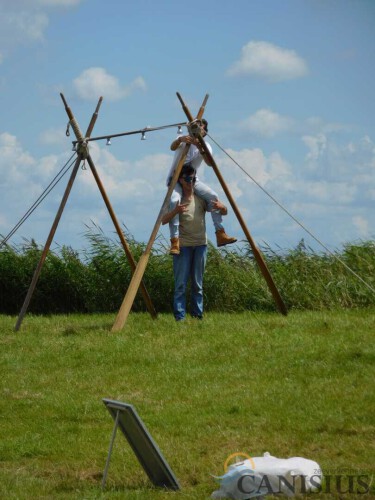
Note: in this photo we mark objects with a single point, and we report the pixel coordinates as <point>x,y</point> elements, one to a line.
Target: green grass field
<point>300,385</point>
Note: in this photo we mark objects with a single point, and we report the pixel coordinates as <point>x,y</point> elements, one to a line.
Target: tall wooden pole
<point>47,245</point>
<point>89,159</point>
<point>81,155</point>
<point>142,263</point>
<point>256,252</point>
<point>133,264</point>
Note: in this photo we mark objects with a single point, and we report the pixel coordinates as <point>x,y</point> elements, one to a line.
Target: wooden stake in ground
<point>142,264</point>
<point>256,252</point>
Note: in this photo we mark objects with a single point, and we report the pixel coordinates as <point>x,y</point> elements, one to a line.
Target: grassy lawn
<point>295,386</point>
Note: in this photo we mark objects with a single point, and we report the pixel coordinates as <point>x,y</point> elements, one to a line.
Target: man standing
<point>191,260</point>
<point>194,157</point>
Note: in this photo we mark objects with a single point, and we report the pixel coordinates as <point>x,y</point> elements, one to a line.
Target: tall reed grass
<point>96,280</point>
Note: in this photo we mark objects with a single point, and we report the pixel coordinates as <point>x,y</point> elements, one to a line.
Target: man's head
<point>198,127</point>
<point>187,175</point>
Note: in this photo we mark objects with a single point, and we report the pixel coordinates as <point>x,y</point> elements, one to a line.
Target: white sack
<point>269,475</point>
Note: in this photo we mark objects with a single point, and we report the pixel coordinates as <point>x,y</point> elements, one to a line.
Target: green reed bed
<point>96,280</point>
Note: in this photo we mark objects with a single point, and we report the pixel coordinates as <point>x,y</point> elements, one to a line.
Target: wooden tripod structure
<point>142,263</point>
<point>83,154</point>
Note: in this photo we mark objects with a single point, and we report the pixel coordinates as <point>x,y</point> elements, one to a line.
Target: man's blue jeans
<point>190,263</point>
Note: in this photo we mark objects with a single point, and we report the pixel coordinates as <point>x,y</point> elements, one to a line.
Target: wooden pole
<point>59,211</point>
<point>256,252</point>
<point>142,263</point>
<point>133,265</point>
<point>47,245</point>
<point>124,243</point>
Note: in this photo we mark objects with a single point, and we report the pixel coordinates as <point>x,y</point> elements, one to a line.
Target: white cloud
<point>278,166</point>
<point>339,172</point>
<point>362,225</point>
<point>123,179</point>
<point>330,192</point>
<point>19,170</point>
<point>316,145</point>
<point>315,124</point>
<point>48,166</point>
<point>252,161</point>
<point>25,21</point>
<point>332,159</point>
<point>24,26</point>
<point>155,163</point>
<point>265,60</point>
<point>22,179</point>
<point>367,144</point>
<point>93,82</point>
<point>13,155</point>
<point>327,205</point>
<point>267,123</point>
<point>53,136</point>
<point>335,209</point>
<point>269,172</point>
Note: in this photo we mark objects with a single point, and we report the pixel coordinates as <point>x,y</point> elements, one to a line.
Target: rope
<point>33,207</point>
<point>293,217</point>
<point>75,127</point>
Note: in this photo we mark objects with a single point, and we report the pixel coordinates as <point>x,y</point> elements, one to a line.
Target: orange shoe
<point>223,239</point>
<point>175,246</point>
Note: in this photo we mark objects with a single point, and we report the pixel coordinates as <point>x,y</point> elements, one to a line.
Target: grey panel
<point>144,447</point>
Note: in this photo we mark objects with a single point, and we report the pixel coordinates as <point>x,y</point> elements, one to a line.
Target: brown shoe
<point>223,239</point>
<point>175,246</point>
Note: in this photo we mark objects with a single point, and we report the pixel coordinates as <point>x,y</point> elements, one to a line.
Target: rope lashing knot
<point>194,128</point>
<point>76,129</point>
<point>81,145</point>
<point>82,149</point>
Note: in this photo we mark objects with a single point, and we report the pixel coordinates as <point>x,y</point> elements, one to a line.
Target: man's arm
<point>186,139</point>
<point>178,209</point>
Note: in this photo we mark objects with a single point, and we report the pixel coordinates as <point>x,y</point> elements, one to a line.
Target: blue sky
<point>291,99</point>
